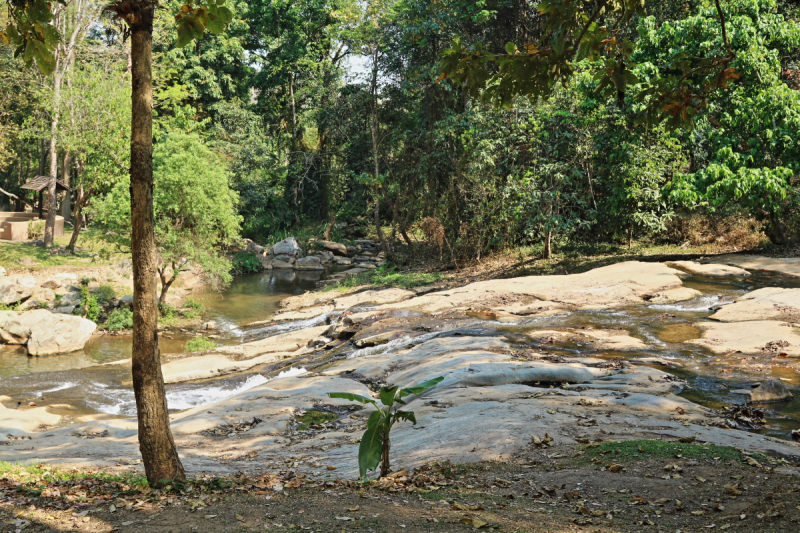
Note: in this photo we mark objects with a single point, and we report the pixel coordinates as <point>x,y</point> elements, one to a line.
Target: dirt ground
<point>610,487</point>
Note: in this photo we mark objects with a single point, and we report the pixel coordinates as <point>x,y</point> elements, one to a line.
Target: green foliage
<point>387,276</point>
<point>195,208</point>
<point>311,418</point>
<point>105,293</point>
<point>199,344</point>
<point>633,450</point>
<point>245,263</point>
<point>375,442</point>
<point>167,311</point>
<point>193,309</point>
<point>91,308</point>
<point>119,319</point>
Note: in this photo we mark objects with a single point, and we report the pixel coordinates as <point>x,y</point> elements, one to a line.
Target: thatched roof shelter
<point>39,184</point>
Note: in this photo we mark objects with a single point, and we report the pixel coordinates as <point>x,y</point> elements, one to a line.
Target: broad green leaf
<point>352,397</point>
<point>422,387</point>
<point>406,415</point>
<point>184,33</point>
<point>374,418</point>
<point>387,395</point>
<point>370,450</point>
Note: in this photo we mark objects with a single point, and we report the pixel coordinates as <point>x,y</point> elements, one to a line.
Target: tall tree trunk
<point>547,244</point>
<point>80,201</point>
<point>159,454</point>
<point>66,201</point>
<point>375,157</point>
<point>50,225</point>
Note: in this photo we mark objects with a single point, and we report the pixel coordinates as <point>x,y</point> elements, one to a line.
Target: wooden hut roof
<point>41,182</point>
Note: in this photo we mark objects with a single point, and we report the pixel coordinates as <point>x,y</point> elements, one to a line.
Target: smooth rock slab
<point>335,247</point>
<point>769,303</point>
<point>789,266</point>
<point>708,269</point>
<point>626,283</point>
<point>309,263</point>
<point>752,337</point>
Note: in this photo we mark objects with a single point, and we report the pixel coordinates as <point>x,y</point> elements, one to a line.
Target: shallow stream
<point>73,384</point>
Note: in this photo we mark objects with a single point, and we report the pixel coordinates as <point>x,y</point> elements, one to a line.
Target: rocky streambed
<point>632,350</point>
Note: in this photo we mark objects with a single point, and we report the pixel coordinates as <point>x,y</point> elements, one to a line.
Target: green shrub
<point>245,263</point>
<point>167,311</point>
<point>90,308</point>
<point>121,318</point>
<point>199,344</point>
<point>193,309</point>
<point>105,293</point>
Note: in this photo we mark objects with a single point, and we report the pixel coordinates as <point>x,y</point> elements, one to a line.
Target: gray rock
<point>66,309</point>
<point>281,264</point>
<point>345,261</point>
<point>252,247</point>
<point>52,283</point>
<point>209,325</point>
<point>11,293</point>
<point>770,390</point>
<point>287,246</point>
<point>26,261</point>
<point>266,263</point>
<point>325,256</point>
<point>29,304</point>
<point>311,262</point>
<point>353,250</point>
<point>51,333</point>
<point>334,247</point>
<point>44,295</point>
<point>11,330</point>
<point>126,300</point>
<point>285,258</point>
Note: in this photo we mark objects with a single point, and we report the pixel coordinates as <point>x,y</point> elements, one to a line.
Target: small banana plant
<point>375,444</point>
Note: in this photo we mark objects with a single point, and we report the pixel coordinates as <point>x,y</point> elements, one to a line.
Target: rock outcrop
<point>769,303</point>
<point>46,333</point>
<point>708,269</point>
<point>770,390</point>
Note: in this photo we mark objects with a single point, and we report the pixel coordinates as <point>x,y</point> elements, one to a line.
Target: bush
<point>199,344</point>
<point>245,263</point>
<point>105,293</point>
<point>89,307</point>
<point>193,308</point>
<point>119,319</point>
<point>167,311</point>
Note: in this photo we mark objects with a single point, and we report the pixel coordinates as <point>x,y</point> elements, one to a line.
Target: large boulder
<point>287,246</point>
<point>311,262</point>
<point>11,330</point>
<point>770,390</point>
<point>14,289</point>
<point>335,247</point>
<point>52,333</point>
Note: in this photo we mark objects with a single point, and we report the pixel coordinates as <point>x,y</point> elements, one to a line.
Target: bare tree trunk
<point>375,157</point>
<point>165,285</point>
<point>42,156</point>
<point>547,244</point>
<point>160,457</point>
<point>66,202</point>
<point>50,225</point>
<point>630,236</point>
<point>329,228</point>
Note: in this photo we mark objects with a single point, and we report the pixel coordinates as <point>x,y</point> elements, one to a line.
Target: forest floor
<point>607,487</point>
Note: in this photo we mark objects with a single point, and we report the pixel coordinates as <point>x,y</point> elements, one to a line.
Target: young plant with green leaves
<point>375,443</point>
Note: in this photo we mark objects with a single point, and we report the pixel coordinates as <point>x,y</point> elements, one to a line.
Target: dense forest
<point>312,116</point>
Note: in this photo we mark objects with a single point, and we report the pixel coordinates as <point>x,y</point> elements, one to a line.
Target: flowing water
<point>74,384</point>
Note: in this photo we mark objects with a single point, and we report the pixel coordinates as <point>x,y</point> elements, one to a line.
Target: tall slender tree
<point>31,29</point>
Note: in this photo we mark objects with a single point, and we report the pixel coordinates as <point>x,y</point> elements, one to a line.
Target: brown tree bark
<point>66,201</point>
<point>78,218</point>
<point>375,156</point>
<point>52,201</point>
<point>159,454</point>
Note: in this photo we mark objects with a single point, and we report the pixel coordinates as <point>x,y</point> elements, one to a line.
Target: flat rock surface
<point>770,303</point>
<point>789,266</point>
<point>770,337</point>
<point>708,269</point>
